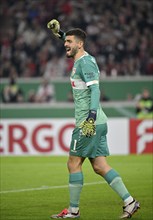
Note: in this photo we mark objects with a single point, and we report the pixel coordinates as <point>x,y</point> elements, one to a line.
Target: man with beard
<point>89,136</point>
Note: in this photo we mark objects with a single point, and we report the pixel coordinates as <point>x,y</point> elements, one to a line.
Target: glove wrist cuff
<point>92,114</point>
<point>62,34</point>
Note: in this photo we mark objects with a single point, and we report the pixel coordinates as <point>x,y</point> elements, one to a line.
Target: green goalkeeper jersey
<point>85,73</point>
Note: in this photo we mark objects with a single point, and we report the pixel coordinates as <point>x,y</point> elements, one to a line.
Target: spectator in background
<point>119,35</point>
<point>31,96</point>
<point>144,107</point>
<point>45,92</point>
<point>12,93</point>
<point>55,66</point>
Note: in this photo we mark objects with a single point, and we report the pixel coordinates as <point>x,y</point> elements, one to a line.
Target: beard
<point>72,53</point>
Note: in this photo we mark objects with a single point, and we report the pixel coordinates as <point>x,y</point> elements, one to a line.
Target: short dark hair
<point>79,33</point>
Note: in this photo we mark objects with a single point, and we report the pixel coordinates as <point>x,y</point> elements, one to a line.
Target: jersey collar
<point>85,54</point>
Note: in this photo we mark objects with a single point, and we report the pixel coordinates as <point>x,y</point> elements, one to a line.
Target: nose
<point>65,43</point>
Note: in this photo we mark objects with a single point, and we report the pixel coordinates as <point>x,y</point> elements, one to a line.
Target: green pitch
<point>33,188</point>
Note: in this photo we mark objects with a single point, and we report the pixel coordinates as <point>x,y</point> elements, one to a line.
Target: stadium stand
<point>119,35</point>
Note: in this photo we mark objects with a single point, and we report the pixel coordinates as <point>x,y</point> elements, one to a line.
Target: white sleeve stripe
<point>92,82</point>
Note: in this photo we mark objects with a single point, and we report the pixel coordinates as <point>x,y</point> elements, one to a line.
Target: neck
<point>79,54</point>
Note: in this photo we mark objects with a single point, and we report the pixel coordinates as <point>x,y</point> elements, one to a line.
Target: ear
<point>80,44</point>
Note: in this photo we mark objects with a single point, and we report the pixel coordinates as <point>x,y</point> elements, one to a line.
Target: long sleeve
<point>95,96</point>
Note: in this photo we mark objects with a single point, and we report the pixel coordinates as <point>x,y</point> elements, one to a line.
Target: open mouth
<point>68,49</point>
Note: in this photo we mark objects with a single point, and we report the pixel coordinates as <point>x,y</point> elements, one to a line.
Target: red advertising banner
<point>35,137</point>
<point>141,136</point>
<point>53,136</point>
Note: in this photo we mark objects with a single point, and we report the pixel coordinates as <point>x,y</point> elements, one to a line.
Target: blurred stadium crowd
<point>119,36</point>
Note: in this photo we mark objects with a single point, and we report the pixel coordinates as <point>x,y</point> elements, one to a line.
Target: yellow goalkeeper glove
<point>88,126</point>
<point>54,26</point>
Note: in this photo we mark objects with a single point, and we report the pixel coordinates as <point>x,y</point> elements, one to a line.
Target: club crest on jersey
<point>73,71</point>
<point>72,84</point>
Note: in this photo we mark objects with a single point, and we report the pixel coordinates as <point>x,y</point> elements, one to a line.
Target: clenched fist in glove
<point>88,126</point>
<point>54,26</point>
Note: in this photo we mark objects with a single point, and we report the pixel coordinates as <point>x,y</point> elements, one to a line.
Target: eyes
<point>68,41</point>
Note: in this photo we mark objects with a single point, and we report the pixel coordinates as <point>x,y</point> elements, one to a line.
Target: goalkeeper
<point>89,136</point>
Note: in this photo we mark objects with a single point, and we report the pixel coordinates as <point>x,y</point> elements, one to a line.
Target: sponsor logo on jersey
<point>78,84</point>
<point>72,84</point>
<point>90,75</point>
